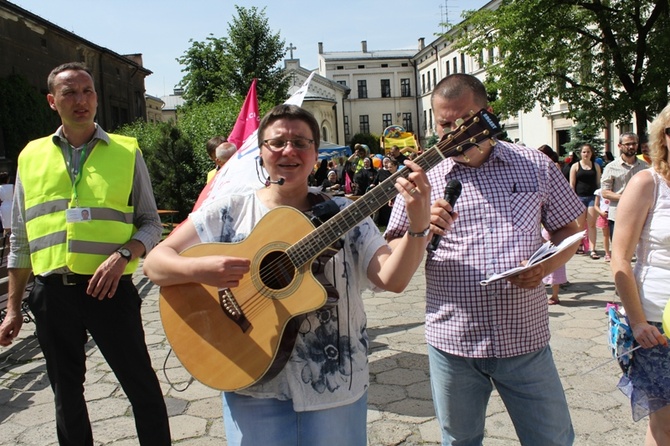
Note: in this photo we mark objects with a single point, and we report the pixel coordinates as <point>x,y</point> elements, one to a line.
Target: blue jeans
<point>528,385</point>
<point>267,421</point>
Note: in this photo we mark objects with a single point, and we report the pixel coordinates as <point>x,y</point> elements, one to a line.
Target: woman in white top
<point>6,197</point>
<point>644,224</point>
<point>319,396</point>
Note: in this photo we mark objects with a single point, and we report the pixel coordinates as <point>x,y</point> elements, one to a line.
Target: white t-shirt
<point>328,366</point>
<point>603,203</point>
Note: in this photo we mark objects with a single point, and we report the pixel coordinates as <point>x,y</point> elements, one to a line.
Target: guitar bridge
<point>232,309</point>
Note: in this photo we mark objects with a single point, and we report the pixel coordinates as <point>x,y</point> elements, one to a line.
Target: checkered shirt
<point>500,212</point>
<point>616,176</point>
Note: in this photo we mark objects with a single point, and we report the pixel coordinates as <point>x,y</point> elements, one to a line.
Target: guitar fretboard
<point>479,127</point>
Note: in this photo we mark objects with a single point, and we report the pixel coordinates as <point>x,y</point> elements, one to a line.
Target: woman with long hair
<point>585,180</point>
<point>645,230</point>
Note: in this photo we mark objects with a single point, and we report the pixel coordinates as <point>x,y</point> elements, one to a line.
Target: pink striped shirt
<point>501,209</point>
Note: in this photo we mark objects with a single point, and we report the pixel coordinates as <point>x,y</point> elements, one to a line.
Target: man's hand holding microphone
<point>442,212</point>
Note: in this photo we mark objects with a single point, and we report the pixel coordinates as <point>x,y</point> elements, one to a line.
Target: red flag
<point>248,119</point>
<point>246,124</point>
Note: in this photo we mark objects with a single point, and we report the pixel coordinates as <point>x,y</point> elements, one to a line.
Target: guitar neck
<point>477,128</point>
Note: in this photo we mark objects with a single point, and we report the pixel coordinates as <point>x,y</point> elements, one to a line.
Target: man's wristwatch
<point>125,253</point>
<point>423,233</point>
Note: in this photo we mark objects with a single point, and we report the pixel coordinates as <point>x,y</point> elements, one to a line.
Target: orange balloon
<point>376,162</point>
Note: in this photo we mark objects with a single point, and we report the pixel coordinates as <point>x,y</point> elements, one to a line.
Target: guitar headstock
<point>470,133</point>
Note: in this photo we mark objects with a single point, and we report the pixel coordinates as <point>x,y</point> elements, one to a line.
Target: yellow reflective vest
<point>105,188</point>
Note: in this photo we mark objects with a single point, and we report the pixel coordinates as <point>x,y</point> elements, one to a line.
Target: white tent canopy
<point>329,150</point>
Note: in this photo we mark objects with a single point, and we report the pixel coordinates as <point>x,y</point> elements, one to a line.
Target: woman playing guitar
<point>319,396</point>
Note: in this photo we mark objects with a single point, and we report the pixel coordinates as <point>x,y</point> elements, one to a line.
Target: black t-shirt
<point>586,181</point>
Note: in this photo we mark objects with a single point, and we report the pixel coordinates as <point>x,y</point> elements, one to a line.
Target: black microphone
<point>279,182</point>
<point>451,193</point>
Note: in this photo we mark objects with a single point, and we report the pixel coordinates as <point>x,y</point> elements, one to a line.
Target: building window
<point>407,121</point>
<point>454,64</point>
<point>385,65</point>
<point>346,126</point>
<point>364,122</point>
<point>344,83</point>
<point>447,68</point>
<point>430,119</point>
<point>386,88</point>
<point>405,90</point>
<point>361,66</point>
<point>423,83</point>
<point>428,81</point>
<point>425,121</point>
<point>462,63</point>
<point>435,76</point>
<point>340,67</point>
<point>404,64</point>
<point>491,56</point>
<point>387,120</point>
<point>324,134</point>
<point>362,89</point>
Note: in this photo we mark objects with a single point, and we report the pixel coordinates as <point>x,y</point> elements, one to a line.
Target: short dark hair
<point>76,66</point>
<point>547,150</point>
<point>628,134</point>
<point>455,85</point>
<point>213,143</point>
<point>292,113</point>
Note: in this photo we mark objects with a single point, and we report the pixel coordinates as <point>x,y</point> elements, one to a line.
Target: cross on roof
<point>291,48</point>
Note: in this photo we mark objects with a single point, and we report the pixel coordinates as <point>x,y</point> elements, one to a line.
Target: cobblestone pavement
<point>400,408</point>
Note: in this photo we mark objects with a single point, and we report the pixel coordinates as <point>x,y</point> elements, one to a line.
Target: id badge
<point>78,215</point>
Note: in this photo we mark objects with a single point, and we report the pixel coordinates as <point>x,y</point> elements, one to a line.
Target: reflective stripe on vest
<point>105,188</point>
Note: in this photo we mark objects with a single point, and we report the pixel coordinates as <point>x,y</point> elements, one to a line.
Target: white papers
<point>544,253</point>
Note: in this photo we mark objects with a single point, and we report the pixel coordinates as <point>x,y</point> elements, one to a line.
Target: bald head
<point>224,152</point>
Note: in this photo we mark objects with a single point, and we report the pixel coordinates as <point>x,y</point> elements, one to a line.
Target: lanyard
<point>78,174</point>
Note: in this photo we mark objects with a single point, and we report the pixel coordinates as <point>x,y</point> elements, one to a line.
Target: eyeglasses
<point>667,131</point>
<point>276,144</point>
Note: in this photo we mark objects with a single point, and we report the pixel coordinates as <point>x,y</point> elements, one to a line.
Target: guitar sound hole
<point>276,270</point>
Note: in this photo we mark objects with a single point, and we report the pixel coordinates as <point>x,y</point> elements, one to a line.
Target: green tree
<point>369,139</point>
<point>584,133</point>
<point>606,58</point>
<point>225,66</point>
<point>203,61</point>
<point>176,175</point>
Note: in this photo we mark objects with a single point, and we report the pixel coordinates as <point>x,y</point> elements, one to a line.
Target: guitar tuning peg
<point>459,122</point>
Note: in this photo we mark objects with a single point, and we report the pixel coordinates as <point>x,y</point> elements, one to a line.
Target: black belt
<point>71,279</point>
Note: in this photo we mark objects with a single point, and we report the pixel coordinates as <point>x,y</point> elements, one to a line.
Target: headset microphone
<point>451,193</point>
<point>279,182</point>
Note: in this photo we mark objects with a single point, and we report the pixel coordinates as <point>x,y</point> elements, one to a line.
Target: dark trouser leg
<point>62,337</point>
<point>610,223</point>
<point>116,326</point>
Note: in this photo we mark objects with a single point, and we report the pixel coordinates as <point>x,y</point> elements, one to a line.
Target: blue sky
<point>161,29</point>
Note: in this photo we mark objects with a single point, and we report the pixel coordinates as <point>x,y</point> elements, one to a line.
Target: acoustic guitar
<point>230,339</point>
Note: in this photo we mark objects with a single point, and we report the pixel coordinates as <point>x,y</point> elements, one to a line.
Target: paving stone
<point>400,401</point>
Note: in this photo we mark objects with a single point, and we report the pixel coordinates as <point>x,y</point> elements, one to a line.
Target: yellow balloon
<point>666,319</point>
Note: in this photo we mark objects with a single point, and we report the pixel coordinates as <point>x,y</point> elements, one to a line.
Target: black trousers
<point>63,315</point>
